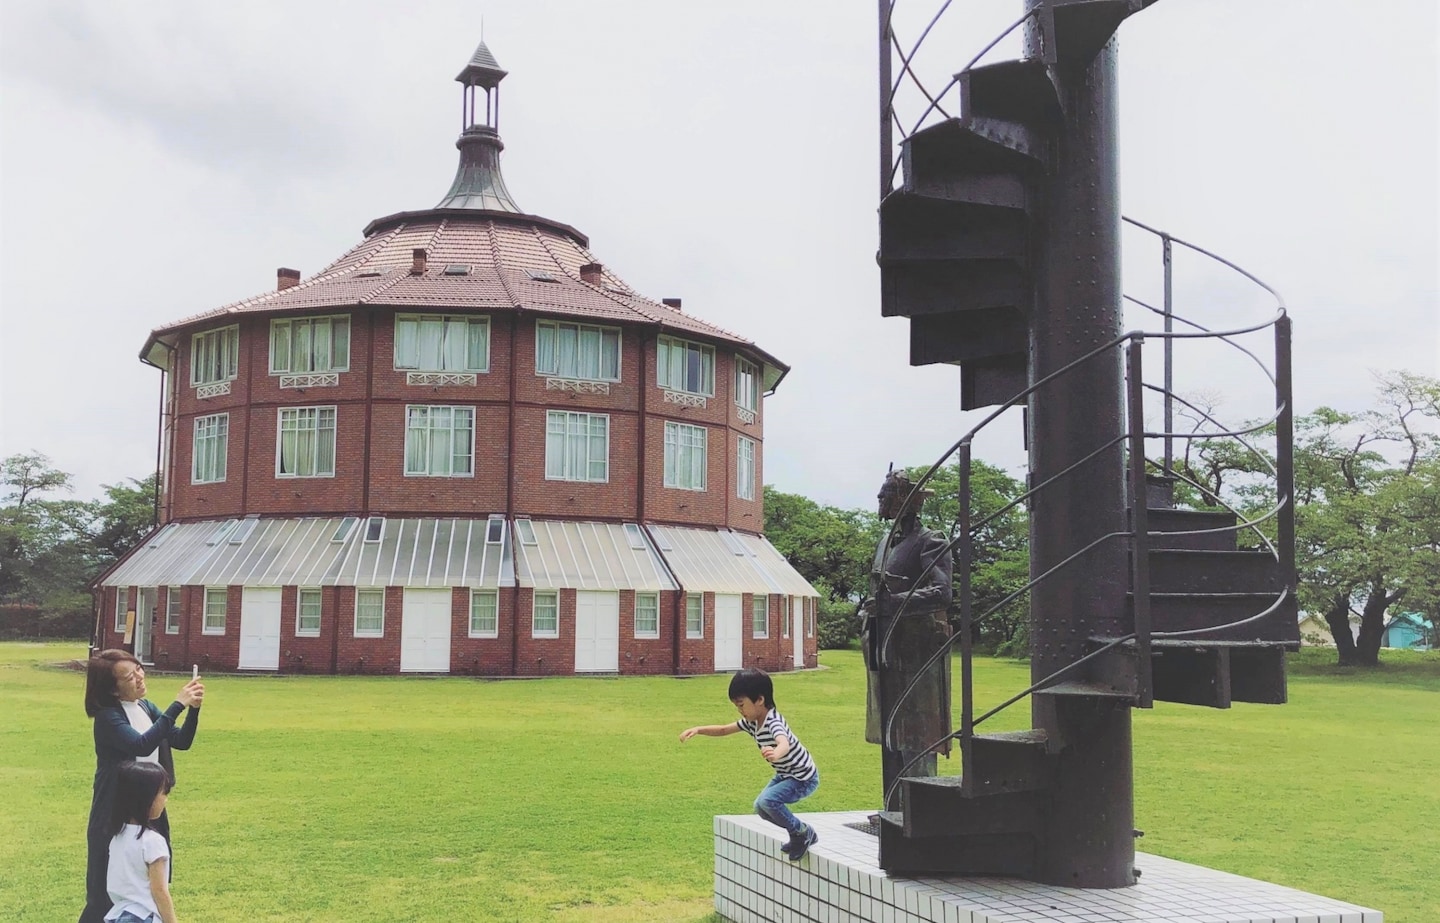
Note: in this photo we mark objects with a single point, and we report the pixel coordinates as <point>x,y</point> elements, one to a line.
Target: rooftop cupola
<point>478,183</point>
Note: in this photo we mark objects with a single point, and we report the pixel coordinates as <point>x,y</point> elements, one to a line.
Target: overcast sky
<point>159,159</point>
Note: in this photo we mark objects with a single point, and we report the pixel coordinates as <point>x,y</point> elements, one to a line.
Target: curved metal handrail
<point>1236,434</point>
<point>1166,235</point>
<point>1224,339</point>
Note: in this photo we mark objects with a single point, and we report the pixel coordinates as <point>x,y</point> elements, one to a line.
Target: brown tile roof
<point>501,251</point>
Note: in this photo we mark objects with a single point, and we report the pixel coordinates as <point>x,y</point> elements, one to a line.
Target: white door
<point>729,648</point>
<point>260,628</point>
<point>425,632</point>
<point>145,615</point>
<point>597,632</point>
<point>797,629</point>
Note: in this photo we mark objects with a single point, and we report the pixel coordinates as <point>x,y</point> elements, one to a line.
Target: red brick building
<point>465,446</point>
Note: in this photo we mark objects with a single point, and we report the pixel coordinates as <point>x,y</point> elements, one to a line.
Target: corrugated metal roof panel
<point>784,577</point>
<point>588,556</point>
<point>704,561</point>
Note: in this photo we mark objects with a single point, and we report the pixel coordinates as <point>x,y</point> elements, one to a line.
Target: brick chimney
<point>594,273</point>
<point>417,261</point>
<point>671,303</point>
<point>286,278</point>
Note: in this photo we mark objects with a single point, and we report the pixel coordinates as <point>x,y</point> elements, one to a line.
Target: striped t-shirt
<point>797,763</point>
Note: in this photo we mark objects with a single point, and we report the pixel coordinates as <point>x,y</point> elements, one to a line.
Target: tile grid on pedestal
<point>840,882</point>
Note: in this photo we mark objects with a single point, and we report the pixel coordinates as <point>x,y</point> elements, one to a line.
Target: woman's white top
<point>128,876</point>
<point>140,720</point>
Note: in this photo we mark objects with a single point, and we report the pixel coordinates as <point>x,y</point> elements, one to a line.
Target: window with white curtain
<point>211,445</point>
<point>545,614</point>
<point>215,602</point>
<point>484,613</point>
<point>577,446</point>
<point>307,613</point>
<point>172,610</point>
<point>439,441</point>
<point>694,615</point>
<point>685,456</point>
<point>784,616</point>
<point>215,356</point>
<point>760,617</point>
<point>370,613</point>
<point>306,445</point>
<point>745,469</point>
<point>647,615</point>
<point>747,385</point>
<point>310,344</point>
<point>577,351</point>
<point>442,343</point>
<point>681,365</point>
<point>122,596</point>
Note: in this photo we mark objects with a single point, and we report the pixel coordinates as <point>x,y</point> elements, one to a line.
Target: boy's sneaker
<point>797,848</point>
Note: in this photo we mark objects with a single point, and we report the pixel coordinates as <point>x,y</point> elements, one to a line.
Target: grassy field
<point>360,799</point>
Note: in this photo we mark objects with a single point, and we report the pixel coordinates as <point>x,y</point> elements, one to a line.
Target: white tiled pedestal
<point>840,882</point>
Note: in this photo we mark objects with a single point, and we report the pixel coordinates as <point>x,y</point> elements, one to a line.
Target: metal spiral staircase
<point>1190,616</point>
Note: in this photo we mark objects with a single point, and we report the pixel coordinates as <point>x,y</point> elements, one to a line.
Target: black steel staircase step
<point>956,148</point>
<point>1184,570</point>
<point>943,287</point>
<point>960,854</point>
<point>1075,30</point>
<point>1192,676</point>
<point>1009,762</point>
<point>1193,529</point>
<point>944,806</point>
<point>965,336</point>
<point>1093,689</point>
<point>1160,491</point>
<point>1011,91</point>
<point>916,227</point>
<point>1190,611</point>
<point>987,382</point>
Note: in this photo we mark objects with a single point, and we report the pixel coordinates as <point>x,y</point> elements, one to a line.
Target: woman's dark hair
<point>751,684</point>
<point>136,785</point>
<point>100,679</point>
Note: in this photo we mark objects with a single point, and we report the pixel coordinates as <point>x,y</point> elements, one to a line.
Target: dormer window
<point>577,351</point>
<point>215,356</point>
<point>685,366</point>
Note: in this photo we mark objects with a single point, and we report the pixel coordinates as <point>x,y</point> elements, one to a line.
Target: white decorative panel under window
<point>370,613</point>
<point>310,344</point>
<point>694,615</point>
<point>545,614</point>
<point>684,366</point>
<point>647,615</point>
<point>745,469</point>
<point>216,598</point>
<point>307,613</point>
<point>577,351</point>
<point>484,613</point>
<point>747,385</point>
<point>760,617</point>
<point>215,356</point>
<point>577,446</point>
<point>172,610</point>
<point>306,445</point>
<point>685,466</point>
<point>442,343</point>
<point>210,448</point>
<point>439,441</point>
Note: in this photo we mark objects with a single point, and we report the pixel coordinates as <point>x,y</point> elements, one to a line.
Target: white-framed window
<point>577,351</point>
<point>525,531</point>
<point>760,617</point>
<point>442,343</point>
<point>809,617</point>
<point>784,616</point>
<point>685,456</point>
<point>647,615</point>
<point>172,610</point>
<point>374,529</point>
<point>747,385</point>
<point>694,615</point>
<point>577,446</point>
<point>370,613</point>
<point>305,447</point>
<point>681,365</point>
<point>310,344</point>
<point>210,448</point>
<point>307,612</point>
<point>215,356</point>
<point>745,469</point>
<point>545,614</point>
<point>484,613</point>
<point>439,441</point>
<point>122,596</point>
<point>216,598</point>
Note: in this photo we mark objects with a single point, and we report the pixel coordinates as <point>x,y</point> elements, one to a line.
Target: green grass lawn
<point>357,799</point>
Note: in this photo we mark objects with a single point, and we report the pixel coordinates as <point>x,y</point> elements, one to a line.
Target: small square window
<point>634,536</point>
<point>484,613</point>
<point>538,276</point>
<point>526,530</point>
<point>342,531</point>
<point>495,531</point>
<point>457,269</point>
<point>374,528</point>
<point>647,615</point>
<point>215,602</point>
<point>307,613</point>
<point>694,615</point>
<point>545,614</point>
<point>760,617</point>
<point>370,613</point>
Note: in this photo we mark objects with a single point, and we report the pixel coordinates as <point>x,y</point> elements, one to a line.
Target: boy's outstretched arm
<point>710,730</point>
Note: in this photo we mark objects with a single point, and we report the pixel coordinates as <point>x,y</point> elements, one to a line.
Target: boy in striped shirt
<point>796,777</point>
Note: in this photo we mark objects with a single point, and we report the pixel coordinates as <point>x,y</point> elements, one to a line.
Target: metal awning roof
<point>767,558</point>
<point>721,561</point>
<point>587,556</point>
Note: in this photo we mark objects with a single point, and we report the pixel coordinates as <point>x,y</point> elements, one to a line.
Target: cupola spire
<point>478,183</point>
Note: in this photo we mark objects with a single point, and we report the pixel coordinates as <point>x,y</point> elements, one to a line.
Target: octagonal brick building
<point>466,446</point>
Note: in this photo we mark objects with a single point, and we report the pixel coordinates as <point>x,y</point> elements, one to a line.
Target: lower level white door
<point>729,646</point>
<point>425,632</point>
<point>797,629</point>
<point>597,632</point>
<point>260,628</point>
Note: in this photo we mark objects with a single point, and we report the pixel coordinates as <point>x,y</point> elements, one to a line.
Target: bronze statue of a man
<point>908,602</point>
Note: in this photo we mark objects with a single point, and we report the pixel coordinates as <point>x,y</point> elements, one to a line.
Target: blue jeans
<point>128,917</point>
<point>773,799</point>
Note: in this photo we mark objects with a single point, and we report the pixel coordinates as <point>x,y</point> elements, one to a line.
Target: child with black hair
<point>138,875</point>
<point>753,695</point>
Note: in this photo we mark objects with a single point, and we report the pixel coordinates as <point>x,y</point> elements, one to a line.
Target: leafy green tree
<point>126,515</point>
<point>830,547</point>
<point>43,540</point>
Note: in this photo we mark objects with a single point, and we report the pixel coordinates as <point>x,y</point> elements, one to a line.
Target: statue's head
<point>898,496</point>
